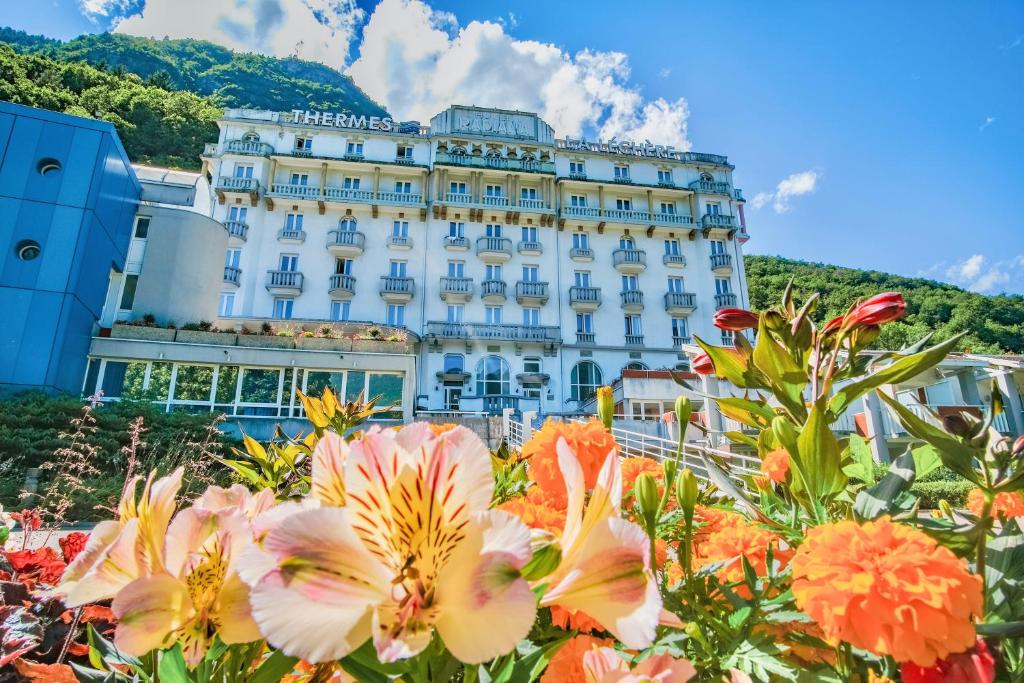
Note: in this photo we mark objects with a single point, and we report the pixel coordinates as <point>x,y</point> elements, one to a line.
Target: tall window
<point>142,227</point>
<point>679,328</point>
<point>624,204</point>
<point>672,247</point>
<point>492,230</point>
<point>531,274</point>
<point>227,304</point>
<point>665,176</point>
<point>342,266</point>
<point>531,317</point>
<point>675,284</point>
<point>582,278</point>
<point>456,313</point>
<point>627,242</point>
<point>232,257</point>
<point>340,310</point>
<point>400,229</point>
<point>403,187</point>
<point>584,323</point>
<point>289,262</point>
<point>492,271</point>
<point>456,229</point>
<point>283,308</point>
<point>456,269</point>
<point>722,285</point>
<point>528,193</point>
<point>633,325</point>
<point>717,247</point>
<point>492,377</point>
<point>584,379</point>
<point>492,190</point>
<point>243,170</point>
<point>237,213</point>
<point>351,183</point>
<point>299,179</point>
<point>457,188</point>
<point>128,292</point>
<point>492,315</point>
<point>580,240</point>
<point>530,233</point>
<point>577,168</point>
<point>355,148</point>
<point>714,208</point>
<point>293,222</point>
<point>577,200</point>
<point>397,268</point>
<point>630,283</point>
<point>347,224</point>
<point>396,315</point>
<point>621,172</point>
<point>668,208</point>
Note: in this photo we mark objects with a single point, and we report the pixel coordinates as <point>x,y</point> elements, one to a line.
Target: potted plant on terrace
<point>145,328</point>
<point>204,332</point>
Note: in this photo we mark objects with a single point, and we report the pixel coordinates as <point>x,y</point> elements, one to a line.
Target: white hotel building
<point>529,270</point>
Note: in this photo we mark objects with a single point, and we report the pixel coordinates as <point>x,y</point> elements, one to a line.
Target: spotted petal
<point>148,611</point>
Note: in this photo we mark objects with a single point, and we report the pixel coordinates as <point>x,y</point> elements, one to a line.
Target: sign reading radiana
<point>328,118</point>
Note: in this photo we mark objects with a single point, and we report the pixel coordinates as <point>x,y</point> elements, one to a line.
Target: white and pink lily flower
<point>414,550</point>
<point>605,665</point>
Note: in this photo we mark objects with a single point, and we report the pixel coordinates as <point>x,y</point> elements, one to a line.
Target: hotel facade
<point>472,265</point>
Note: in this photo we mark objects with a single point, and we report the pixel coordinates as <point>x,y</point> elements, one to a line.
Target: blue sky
<point>901,124</point>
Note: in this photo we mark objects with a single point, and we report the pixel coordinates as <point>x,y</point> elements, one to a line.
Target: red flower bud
<point>974,666</point>
<point>878,310</point>
<point>703,365</point>
<point>735,319</point>
<point>1018,446</point>
<point>833,325</point>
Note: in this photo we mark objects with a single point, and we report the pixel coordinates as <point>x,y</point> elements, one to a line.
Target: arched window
<point>347,224</point>
<point>251,136</point>
<point>626,242</point>
<point>454,362</point>
<point>494,153</point>
<point>584,380</point>
<point>492,377</point>
<point>707,177</point>
<point>458,150</point>
<point>635,365</point>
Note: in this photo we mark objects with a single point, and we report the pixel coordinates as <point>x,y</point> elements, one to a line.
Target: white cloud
<point>418,62</point>
<point>977,274</point>
<point>318,30</point>
<point>795,185</point>
<point>989,120</point>
<point>665,72</point>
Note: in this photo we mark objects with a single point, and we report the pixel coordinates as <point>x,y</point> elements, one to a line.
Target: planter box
<point>266,341</point>
<point>323,344</point>
<point>379,346</point>
<point>206,337</point>
<point>146,333</point>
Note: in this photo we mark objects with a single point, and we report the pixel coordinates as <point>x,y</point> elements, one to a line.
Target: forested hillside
<point>994,324</point>
<point>232,79</point>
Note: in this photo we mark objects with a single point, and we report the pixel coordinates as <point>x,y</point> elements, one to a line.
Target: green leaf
<point>106,652</point>
<point>729,365</point>
<point>274,668</point>
<point>821,455</point>
<point>86,675</point>
<point>954,454</point>
<point>786,378</point>
<point>172,667</point>
<point>881,499</point>
<point>926,460</point>
<point>962,539</point>
<point>756,414</point>
<point>1013,629</point>
<point>725,483</point>
<point>760,659</point>
<point>530,667</point>
<point>899,371</point>
<point>863,465</point>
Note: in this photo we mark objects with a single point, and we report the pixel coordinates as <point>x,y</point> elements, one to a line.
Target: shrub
<point>953,492</point>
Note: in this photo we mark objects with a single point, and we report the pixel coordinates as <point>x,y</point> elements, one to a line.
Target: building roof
<point>154,174</point>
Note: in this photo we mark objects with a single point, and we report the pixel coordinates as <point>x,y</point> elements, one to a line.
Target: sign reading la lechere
<point>335,120</point>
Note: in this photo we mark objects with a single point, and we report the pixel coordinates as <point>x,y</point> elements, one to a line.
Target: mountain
<point>994,324</point>
<point>230,79</point>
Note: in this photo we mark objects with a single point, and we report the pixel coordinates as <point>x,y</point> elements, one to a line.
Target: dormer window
<point>354,149</point>
<point>303,144</point>
<point>707,178</point>
<point>404,152</point>
<point>622,172</point>
<point>665,177</point>
<point>577,168</point>
<point>251,136</point>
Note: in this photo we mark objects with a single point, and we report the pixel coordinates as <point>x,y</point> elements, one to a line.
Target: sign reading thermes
<point>332,119</point>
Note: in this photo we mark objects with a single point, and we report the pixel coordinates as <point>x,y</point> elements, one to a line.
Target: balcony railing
<point>400,198</point>
<point>493,288</point>
<point>531,203</point>
<point>237,229</point>
<point>577,176</point>
<point>472,161</point>
<point>232,274</point>
<point>342,283</point>
<point>396,284</point>
<point>632,298</point>
<point>634,340</point>
<point>679,300</point>
<point>701,157</point>
<point>458,198</point>
<point>726,300</point>
<point>494,245</point>
<point>456,285</point>
<point>231,184</point>
<point>296,191</point>
<point>721,261</point>
<point>532,292</point>
<point>629,215</point>
<point>581,211</point>
<point>677,260</point>
<point>711,187</point>
<point>525,333</point>
<point>585,337</point>
<point>286,235</point>
<point>581,253</point>
<point>347,194</point>
<point>346,238</point>
<point>456,242</point>
<point>584,295</point>
<point>531,247</point>
<point>400,241</point>
<point>673,218</point>
<point>249,147</point>
<point>284,279</point>
<point>718,220</point>
<point>492,200</point>
<point>679,341</point>
<point>629,257</point>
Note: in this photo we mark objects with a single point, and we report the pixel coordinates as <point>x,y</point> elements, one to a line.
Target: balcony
<point>342,286</point>
<point>721,264</point>
<point>632,300</point>
<point>589,212</point>
<point>494,201</point>
<point>577,176</point>
<point>634,340</point>
<point>533,377</point>
<point>493,291</point>
<point>628,216</point>
<point>396,289</point>
<point>290,191</point>
<point>400,198</point>
<point>629,260</point>
<point>718,220</point>
<point>354,156</point>
<point>229,184</point>
<point>530,203</point>
<point>232,275</point>
<point>284,282</point>
<point>680,303</point>
<point>727,300</point>
<point>237,230</point>
<point>456,243</point>
<point>530,248</point>
<point>287,236</point>
<point>248,148</point>
<point>668,218</point>
<point>674,260</point>
<point>531,293</point>
<point>624,179</point>
<point>501,163</point>
<point>680,341</point>
<point>347,194</point>
<point>458,198</point>
<point>542,334</point>
<point>585,338</point>
<point>403,242</point>
<point>711,187</point>
<point>345,243</point>
<point>497,249</point>
<point>581,254</point>
<point>584,298</point>
<point>456,289</point>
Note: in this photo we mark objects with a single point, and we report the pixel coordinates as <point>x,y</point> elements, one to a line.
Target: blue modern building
<point>68,197</point>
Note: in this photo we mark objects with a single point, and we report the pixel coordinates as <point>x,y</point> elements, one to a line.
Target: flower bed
<point>416,554</point>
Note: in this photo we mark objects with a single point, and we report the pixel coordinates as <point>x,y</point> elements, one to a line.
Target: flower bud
<point>832,325</point>
<point>645,489</point>
<point>774,321</point>
<point>802,332</point>
<point>703,365</point>
<point>946,508</point>
<point>684,409</point>
<point>957,425</point>
<point>1018,447</point>
<point>605,406</point>
<point>735,319</point>
<point>864,336</point>
<point>686,492</point>
<point>669,467</point>
<point>878,310</point>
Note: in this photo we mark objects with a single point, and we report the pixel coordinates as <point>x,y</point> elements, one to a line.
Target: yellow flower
<point>887,588</point>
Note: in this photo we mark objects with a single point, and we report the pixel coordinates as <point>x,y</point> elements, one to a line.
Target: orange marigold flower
<point>775,465</point>
<point>887,588</point>
<point>732,542</point>
<point>590,441</point>
<point>673,573</point>
<point>439,429</point>
<point>567,664</point>
<point>1006,504</point>
<point>711,520</point>
<point>573,620</point>
<point>537,510</point>
<point>633,467</point>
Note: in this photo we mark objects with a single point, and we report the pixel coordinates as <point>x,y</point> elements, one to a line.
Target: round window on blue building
<point>48,167</point>
<point>27,250</point>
